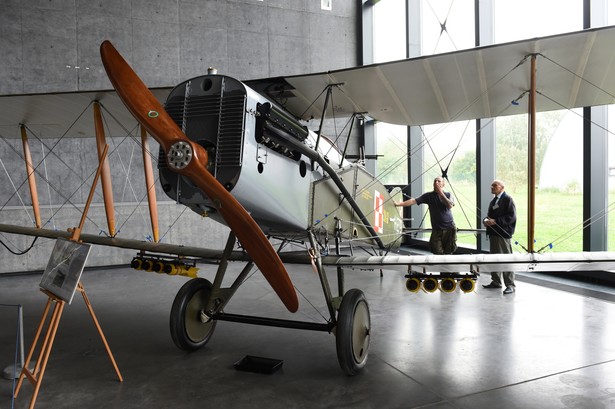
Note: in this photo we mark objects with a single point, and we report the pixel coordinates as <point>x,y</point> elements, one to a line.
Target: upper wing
<point>51,115</point>
<point>574,70</point>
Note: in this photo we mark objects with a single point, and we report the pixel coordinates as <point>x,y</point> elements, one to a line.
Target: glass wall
<point>449,25</point>
<point>446,25</point>
<point>390,45</point>
<point>611,153</point>
<point>559,136</point>
<point>450,149</point>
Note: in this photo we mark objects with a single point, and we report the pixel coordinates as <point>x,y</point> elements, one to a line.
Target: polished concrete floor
<point>549,345</point>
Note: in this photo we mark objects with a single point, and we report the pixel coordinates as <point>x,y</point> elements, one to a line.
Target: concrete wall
<point>42,42</point>
<point>167,41</point>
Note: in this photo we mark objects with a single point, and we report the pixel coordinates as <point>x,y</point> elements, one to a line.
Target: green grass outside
<point>559,218</point>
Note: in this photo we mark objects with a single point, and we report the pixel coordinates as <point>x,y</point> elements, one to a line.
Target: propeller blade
<point>190,159</point>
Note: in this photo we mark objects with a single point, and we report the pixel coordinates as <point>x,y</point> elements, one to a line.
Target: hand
<point>488,222</point>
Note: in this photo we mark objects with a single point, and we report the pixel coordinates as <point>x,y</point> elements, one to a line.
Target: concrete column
<point>595,153</point>
<point>485,135</point>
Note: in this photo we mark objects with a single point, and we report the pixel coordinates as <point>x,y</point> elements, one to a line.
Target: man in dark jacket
<point>500,223</point>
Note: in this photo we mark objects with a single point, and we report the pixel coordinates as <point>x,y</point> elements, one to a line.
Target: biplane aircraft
<point>241,153</point>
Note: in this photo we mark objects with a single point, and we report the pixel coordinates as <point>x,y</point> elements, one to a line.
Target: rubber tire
<point>353,332</point>
<point>189,333</point>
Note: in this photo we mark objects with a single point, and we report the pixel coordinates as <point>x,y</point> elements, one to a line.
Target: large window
<point>448,25</point>
<point>611,158</point>
<point>559,137</point>
<point>390,45</point>
<point>445,26</point>
<point>611,177</point>
<point>450,150</point>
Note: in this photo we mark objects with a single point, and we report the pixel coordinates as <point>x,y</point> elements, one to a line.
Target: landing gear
<point>353,332</point>
<point>191,328</point>
<point>199,305</point>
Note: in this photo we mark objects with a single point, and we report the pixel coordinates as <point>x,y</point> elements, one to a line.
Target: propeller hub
<point>179,155</point>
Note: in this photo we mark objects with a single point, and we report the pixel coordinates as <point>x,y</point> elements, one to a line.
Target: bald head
<point>497,187</point>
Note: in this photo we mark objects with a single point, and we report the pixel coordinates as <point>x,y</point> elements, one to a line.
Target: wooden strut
<point>106,173</point>
<point>36,376</point>
<point>150,185</point>
<point>31,178</point>
<point>531,196</point>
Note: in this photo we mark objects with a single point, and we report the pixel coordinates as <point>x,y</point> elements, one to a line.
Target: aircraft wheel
<point>190,330</point>
<point>413,284</point>
<point>467,285</point>
<point>353,332</point>
<point>430,284</point>
<point>448,285</point>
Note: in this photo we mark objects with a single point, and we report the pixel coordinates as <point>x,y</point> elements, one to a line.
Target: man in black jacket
<point>500,223</point>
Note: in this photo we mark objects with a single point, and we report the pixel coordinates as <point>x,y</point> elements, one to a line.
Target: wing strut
<point>354,116</point>
<point>531,196</point>
<point>150,185</point>
<point>106,172</point>
<point>324,111</point>
<point>31,179</point>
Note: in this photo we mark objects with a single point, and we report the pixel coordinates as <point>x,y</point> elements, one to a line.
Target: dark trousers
<point>500,245</point>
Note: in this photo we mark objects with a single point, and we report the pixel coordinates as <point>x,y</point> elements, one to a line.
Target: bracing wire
<point>127,183</point>
<point>23,205</point>
<point>443,28</point>
<point>20,253</point>
<point>313,102</point>
<point>49,184</point>
<point>52,219</point>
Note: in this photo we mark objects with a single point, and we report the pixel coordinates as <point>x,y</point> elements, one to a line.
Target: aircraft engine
<point>236,126</point>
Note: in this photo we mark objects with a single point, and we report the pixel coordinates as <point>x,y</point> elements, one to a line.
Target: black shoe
<point>509,290</point>
<point>491,285</point>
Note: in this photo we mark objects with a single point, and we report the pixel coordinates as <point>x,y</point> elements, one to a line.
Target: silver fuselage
<point>284,191</point>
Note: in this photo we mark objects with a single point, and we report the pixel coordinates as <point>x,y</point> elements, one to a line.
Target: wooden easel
<point>36,376</point>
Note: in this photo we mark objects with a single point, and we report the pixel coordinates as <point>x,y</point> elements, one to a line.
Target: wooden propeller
<point>190,159</point>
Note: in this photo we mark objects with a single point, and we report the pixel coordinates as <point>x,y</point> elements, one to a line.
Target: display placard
<point>64,268</point>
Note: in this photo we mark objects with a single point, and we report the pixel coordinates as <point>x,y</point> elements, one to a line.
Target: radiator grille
<point>230,131</point>
<point>214,119</point>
